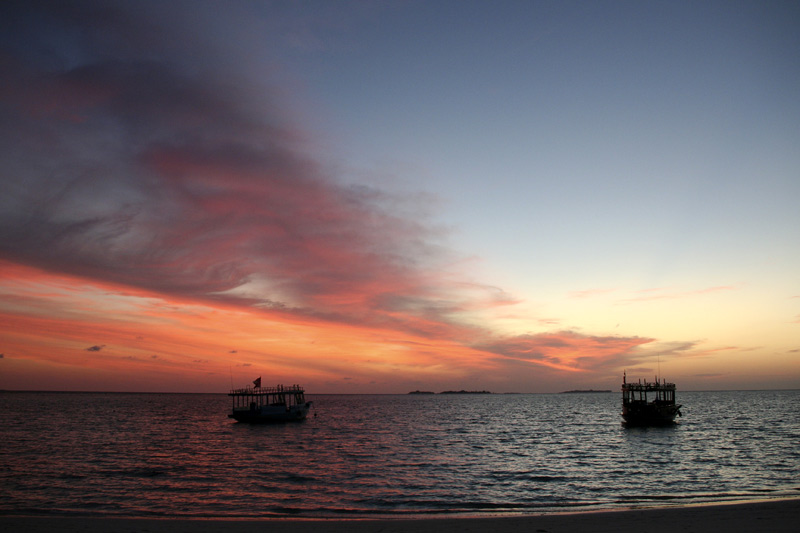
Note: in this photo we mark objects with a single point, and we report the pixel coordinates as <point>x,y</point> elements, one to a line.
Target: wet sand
<point>768,516</point>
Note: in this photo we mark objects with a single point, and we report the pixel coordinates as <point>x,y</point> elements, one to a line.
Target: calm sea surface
<point>361,455</point>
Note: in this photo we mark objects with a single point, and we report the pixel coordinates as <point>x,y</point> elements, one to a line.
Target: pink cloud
<point>177,182</point>
<point>567,350</point>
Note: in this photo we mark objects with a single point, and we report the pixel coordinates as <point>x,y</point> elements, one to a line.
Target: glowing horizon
<point>98,334</point>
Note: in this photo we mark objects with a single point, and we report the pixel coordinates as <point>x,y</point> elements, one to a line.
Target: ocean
<point>178,455</point>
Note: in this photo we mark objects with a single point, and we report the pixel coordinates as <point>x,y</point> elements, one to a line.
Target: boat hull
<point>271,414</point>
<point>650,414</point>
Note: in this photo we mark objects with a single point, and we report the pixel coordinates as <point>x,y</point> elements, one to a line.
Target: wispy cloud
<point>166,175</point>
<point>621,297</point>
<point>566,350</point>
<point>673,294</point>
<point>591,293</point>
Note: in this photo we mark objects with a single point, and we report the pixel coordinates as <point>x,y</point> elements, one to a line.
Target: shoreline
<point>770,515</point>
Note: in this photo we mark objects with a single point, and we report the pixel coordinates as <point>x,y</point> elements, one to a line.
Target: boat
<point>259,404</point>
<point>649,403</point>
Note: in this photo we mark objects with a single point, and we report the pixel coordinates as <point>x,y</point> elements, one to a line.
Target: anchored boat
<point>259,404</point>
<point>649,403</point>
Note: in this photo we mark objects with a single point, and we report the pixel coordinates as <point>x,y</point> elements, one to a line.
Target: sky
<point>380,197</point>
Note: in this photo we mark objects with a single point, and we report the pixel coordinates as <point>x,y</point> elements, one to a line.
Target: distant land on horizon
<point>453,392</point>
<point>576,391</point>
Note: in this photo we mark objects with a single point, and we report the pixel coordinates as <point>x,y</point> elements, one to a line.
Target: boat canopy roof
<point>648,386</point>
<point>265,391</point>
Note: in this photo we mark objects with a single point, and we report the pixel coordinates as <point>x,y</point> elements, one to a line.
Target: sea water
<point>388,455</point>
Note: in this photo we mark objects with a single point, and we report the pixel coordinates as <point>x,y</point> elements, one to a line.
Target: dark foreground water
<point>179,455</point>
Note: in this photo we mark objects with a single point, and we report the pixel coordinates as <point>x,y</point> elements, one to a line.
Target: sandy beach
<point>767,516</point>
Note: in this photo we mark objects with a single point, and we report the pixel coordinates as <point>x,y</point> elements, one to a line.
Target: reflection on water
<point>176,454</point>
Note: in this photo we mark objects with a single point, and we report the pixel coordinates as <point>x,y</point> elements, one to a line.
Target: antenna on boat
<point>659,368</point>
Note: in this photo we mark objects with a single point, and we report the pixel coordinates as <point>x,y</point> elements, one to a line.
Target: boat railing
<point>280,389</point>
<point>648,386</point>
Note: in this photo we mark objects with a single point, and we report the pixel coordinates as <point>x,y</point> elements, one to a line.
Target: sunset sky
<point>363,197</point>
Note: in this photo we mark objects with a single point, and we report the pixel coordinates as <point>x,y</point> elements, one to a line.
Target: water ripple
<point>178,455</point>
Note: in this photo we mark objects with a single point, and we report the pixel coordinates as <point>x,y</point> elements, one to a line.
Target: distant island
<point>578,391</point>
<point>453,392</point>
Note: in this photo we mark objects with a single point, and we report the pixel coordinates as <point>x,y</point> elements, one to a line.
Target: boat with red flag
<point>259,404</point>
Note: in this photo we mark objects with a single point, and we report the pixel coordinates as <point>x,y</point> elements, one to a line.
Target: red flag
<point>257,382</point>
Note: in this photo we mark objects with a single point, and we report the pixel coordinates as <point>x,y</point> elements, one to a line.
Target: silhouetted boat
<point>649,403</point>
<point>259,404</point>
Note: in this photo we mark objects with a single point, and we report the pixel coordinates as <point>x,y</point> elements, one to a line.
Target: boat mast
<point>659,368</point>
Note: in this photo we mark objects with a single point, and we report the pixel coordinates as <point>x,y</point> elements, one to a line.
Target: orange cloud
<point>169,344</point>
<point>566,350</point>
